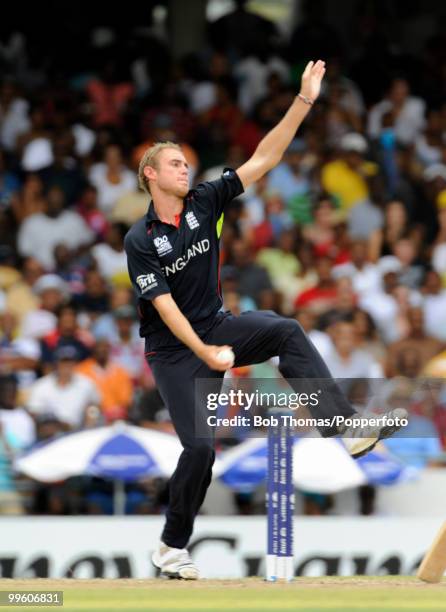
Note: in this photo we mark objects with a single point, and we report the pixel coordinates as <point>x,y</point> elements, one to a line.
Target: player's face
<point>172,173</point>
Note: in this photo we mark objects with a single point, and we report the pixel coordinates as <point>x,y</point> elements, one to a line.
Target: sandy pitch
<point>338,582</point>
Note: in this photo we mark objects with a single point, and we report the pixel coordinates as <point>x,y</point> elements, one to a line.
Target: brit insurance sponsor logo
<point>191,220</point>
<point>162,245</point>
<point>146,282</point>
<point>196,249</point>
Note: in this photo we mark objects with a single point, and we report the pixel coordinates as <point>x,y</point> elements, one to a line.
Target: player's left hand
<point>311,79</point>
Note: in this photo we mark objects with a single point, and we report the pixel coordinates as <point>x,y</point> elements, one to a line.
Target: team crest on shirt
<point>162,245</point>
<point>191,220</point>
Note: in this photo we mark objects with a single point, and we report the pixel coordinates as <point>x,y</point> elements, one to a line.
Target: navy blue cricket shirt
<point>183,260</point>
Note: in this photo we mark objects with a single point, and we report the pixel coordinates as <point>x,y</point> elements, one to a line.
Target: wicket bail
<point>280,500</point>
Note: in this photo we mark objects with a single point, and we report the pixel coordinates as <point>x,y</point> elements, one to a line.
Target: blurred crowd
<point>347,233</point>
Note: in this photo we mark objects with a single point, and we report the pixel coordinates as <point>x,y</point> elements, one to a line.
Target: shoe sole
<point>178,576</point>
<point>385,432</point>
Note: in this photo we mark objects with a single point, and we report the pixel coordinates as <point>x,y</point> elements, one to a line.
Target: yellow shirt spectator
<point>343,183</point>
<point>346,179</point>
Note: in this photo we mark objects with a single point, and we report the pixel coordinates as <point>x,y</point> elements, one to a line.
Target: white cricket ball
<point>226,356</point>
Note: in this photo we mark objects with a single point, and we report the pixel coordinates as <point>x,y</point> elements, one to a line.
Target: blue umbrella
<point>383,468</point>
<point>320,465</point>
<point>121,452</point>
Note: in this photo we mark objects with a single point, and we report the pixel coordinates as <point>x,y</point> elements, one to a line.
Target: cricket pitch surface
<point>343,594</point>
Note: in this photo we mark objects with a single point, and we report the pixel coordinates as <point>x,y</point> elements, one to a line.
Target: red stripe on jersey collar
<point>151,215</point>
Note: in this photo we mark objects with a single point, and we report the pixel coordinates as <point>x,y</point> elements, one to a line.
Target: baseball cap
<point>434,171</point>
<point>50,281</point>
<point>354,142</point>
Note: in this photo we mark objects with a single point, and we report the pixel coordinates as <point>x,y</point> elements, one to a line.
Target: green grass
<point>356,594</point>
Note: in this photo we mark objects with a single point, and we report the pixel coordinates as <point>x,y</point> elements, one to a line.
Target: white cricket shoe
<point>359,440</point>
<point>174,563</point>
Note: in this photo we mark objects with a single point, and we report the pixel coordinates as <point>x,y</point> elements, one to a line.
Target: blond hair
<point>150,158</point>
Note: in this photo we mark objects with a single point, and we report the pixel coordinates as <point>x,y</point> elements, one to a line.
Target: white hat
<point>354,142</point>
<point>50,281</point>
<point>37,155</point>
<point>434,171</point>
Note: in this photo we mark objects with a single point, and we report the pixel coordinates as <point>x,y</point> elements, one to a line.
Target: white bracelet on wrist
<point>305,99</point>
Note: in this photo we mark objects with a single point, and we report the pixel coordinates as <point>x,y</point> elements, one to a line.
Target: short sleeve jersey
<point>182,260</point>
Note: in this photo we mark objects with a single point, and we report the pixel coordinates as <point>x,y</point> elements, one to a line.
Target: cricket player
<point>173,262</point>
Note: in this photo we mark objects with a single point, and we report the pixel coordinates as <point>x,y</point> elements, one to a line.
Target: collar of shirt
<point>151,215</point>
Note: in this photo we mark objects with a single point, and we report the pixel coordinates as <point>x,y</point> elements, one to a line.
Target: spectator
<point>396,226</point>
<point>30,200</point>
<point>408,111</point>
<point>105,325</point>
<point>254,206</point>
<point>439,252</point>
<point>350,96</point>
<point>346,360</point>
<point>20,297</point>
<point>430,404</point>
<point>434,305</point>
<point>436,367</point>
<point>19,356</point>
<point>241,31</point>
<point>419,444</point>
<point>389,306</point>
<point>14,119</point>
<point>66,333</point>
<point>367,336</point>
<point>110,379</point>
<point>10,500</point>
<point>71,267</point>
<point>305,278</point>
<point>416,340</point>
<point>127,348</point>
<point>276,221</point>
<point>320,233</point>
<point>343,305</point>
<point>14,419</point>
<point>109,95</point>
<point>347,178</point>
<point>90,212</point>
<point>253,280</point>
<point>428,143</point>
<point>52,292</point>
<point>94,300</point>
<point>321,340</point>
<point>280,262</point>
<point>404,262</point>
<point>110,255</point>
<point>149,411</point>
<point>9,184</point>
<point>322,296</point>
<point>290,180</point>
<point>65,394</point>
<point>366,277</point>
<point>42,232</point>
<point>64,172</point>
<point>111,178</point>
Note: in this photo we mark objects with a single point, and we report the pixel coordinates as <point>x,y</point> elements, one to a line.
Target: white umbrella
<point>322,465</point>
<point>121,452</point>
